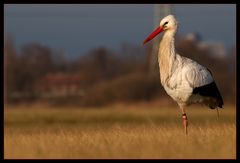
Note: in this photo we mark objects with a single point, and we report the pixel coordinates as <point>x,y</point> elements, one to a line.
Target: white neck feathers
<point>166,55</point>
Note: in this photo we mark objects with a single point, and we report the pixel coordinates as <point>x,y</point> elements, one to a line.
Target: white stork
<point>183,79</point>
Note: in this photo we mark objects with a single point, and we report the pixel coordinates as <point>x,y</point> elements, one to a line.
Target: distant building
<point>215,48</point>
<point>59,84</point>
<point>195,37</point>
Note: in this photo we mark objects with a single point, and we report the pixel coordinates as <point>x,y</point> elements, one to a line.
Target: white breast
<point>184,76</point>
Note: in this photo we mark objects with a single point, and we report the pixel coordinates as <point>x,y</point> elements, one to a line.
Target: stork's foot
<point>185,122</point>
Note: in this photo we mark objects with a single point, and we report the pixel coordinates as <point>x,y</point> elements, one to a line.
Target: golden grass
<point>120,131</point>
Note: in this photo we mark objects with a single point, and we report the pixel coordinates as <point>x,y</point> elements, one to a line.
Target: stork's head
<point>167,23</point>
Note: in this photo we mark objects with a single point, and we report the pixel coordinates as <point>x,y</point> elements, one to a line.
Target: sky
<point>78,28</point>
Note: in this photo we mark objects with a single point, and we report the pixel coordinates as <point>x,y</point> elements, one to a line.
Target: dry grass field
<point>121,131</point>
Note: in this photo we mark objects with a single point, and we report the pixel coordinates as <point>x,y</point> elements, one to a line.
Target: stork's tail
<point>214,103</point>
<point>213,98</point>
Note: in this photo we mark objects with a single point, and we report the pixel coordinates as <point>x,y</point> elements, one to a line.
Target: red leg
<point>185,122</point>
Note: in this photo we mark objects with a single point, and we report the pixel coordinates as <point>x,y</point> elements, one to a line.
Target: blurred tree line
<point>39,74</point>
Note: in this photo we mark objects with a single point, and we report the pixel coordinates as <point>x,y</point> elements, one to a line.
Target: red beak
<point>153,34</point>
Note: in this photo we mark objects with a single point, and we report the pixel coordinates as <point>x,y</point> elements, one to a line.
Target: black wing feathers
<point>210,90</point>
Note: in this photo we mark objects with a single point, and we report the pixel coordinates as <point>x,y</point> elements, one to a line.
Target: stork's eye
<point>165,23</point>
